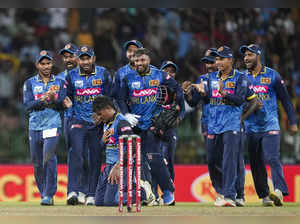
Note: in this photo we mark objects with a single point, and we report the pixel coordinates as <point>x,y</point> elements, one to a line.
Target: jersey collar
<point>113,119</point>
<point>262,71</point>
<point>39,78</point>
<point>231,74</point>
<point>92,73</point>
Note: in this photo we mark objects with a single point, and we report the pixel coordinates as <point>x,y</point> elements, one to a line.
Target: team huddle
<point>142,100</point>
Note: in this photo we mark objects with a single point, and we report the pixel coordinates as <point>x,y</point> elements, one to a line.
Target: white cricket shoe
<point>240,202</point>
<point>81,198</point>
<point>72,198</point>
<point>277,197</point>
<point>226,202</point>
<point>150,197</point>
<point>219,198</point>
<point>267,202</point>
<point>90,201</point>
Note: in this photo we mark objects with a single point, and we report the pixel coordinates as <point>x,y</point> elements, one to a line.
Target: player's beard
<point>253,65</point>
<point>142,69</point>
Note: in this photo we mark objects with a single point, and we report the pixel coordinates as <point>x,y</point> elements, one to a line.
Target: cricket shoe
<point>218,200</point>
<point>47,201</point>
<point>276,197</point>
<point>267,202</point>
<point>90,201</point>
<point>72,198</point>
<point>240,202</point>
<point>226,202</point>
<point>158,202</point>
<point>150,197</point>
<point>168,197</point>
<point>81,198</point>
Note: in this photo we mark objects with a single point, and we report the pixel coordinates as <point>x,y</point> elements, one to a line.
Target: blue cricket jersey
<point>83,89</point>
<point>268,86</point>
<point>141,90</point>
<point>118,126</point>
<point>225,112</point>
<point>42,115</point>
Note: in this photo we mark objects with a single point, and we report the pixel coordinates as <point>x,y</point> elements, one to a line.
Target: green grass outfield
<point>181,209</point>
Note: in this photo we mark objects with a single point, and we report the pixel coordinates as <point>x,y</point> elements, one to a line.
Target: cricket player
<point>43,99</point>
<point>226,90</point>
<point>170,137</point>
<point>262,127</point>
<point>85,83</point>
<point>69,59</point>
<point>129,48</point>
<point>115,125</point>
<point>140,89</point>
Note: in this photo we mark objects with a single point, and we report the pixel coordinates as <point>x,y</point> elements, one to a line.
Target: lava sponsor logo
<point>265,80</point>
<point>88,91</point>
<point>39,96</point>
<point>259,89</point>
<point>126,128</point>
<point>144,92</point>
<point>273,132</point>
<point>203,191</point>
<point>216,94</point>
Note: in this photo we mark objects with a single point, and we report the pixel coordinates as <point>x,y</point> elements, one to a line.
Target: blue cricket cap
<point>208,58</point>
<point>132,42</point>
<point>223,52</point>
<point>43,54</point>
<point>252,47</point>
<point>85,50</point>
<point>169,63</point>
<point>70,48</point>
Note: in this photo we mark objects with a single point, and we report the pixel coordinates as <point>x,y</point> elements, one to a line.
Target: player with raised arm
<point>227,90</point>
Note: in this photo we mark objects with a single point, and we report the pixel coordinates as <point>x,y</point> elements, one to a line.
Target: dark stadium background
<point>181,35</point>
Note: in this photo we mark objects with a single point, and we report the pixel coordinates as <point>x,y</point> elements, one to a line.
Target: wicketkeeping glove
<point>132,119</point>
<point>165,120</point>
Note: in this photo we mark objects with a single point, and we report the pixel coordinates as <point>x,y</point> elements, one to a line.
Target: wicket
<point>130,139</point>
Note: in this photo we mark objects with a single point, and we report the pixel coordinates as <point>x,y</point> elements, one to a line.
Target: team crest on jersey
<point>96,82</point>
<point>265,80</point>
<point>215,84</point>
<point>136,85</point>
<point>230,85</point>
<point>38,89</point>
<point>154,82</point>
<point>54,88</point>
<point>79,83</point>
